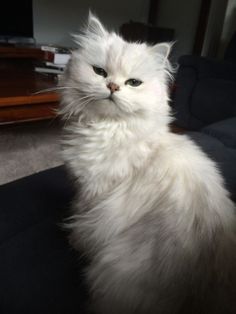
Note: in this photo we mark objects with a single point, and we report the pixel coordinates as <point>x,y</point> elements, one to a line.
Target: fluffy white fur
<point>151,211</point>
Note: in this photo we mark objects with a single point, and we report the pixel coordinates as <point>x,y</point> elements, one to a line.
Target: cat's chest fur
<point>102,155</point>
<point>126,174</point>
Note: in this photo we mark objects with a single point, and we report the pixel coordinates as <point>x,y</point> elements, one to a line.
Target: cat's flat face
<point>114,77</point>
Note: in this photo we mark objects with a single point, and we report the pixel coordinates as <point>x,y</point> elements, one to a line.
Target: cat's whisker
<point>67,118</point>
<point>65,110</point>
<point>82,105</point>
<point>84,97</point>
<point>52,89</point>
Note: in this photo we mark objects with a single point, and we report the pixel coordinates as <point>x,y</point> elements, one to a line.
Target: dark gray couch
<point>204,103</point>
<point>39,271</point>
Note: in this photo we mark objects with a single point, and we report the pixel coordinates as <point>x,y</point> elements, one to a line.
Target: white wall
<point>55,20</point>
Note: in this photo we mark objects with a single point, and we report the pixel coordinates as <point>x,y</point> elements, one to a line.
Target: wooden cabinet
<point>21,88</point>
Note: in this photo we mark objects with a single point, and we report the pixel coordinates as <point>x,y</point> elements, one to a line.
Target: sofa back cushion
<point>205,92</point>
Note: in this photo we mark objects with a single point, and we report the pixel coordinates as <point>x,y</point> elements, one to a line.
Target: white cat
<point>151,212</point>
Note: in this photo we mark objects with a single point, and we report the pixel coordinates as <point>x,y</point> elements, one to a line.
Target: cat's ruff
<point>152,213</point>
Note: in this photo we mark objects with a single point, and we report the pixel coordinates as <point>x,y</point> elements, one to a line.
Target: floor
<point>28,148</point>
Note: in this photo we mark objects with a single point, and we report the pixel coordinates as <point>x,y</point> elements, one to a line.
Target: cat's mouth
<point>111,98</point>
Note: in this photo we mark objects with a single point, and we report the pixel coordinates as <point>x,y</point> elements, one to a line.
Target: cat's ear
<point>162,50</point>
<point>92,30</point>
<point>94,26</point>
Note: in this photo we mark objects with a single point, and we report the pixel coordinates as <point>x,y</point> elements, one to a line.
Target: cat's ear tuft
<point>163,50</point>
<point>95,27</point>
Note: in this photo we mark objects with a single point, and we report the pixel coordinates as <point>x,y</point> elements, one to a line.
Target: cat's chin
<point>106,102</point>
<point>110,100</point>
<point>114,108</point>
<point>103,109</point>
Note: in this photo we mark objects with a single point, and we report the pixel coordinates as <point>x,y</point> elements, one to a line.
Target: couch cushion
<point>205,92</point>
<point>224,157</point>
<point>225,131</point>
<point>39,272</point>
<point>213,100</point>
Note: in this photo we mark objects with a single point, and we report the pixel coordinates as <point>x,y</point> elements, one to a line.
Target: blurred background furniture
<point>147,32</point>
<point>19,84</point>
<point>230,53</point>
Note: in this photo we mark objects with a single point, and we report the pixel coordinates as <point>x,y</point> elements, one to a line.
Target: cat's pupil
<point>100,71</point>
<point>133,82</point>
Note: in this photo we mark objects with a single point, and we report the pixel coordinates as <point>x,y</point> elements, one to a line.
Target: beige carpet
<point>28,148</point>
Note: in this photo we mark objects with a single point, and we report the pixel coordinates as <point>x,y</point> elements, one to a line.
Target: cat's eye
<point>100,71</point>
<point>133,82</point>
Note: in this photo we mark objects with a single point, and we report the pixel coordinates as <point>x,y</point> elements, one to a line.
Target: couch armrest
<point>224,131</point>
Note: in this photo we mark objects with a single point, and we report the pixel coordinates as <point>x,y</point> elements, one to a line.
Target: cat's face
<point>113,78</point>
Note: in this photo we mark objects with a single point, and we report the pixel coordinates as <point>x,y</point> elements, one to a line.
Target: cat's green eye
<point>100,71</point>
<point>133,82</point>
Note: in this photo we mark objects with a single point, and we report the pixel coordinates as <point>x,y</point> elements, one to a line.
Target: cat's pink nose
<point>113,87</point>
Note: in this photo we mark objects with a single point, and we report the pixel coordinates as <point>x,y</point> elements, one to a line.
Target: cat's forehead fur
<point>111,52</point>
